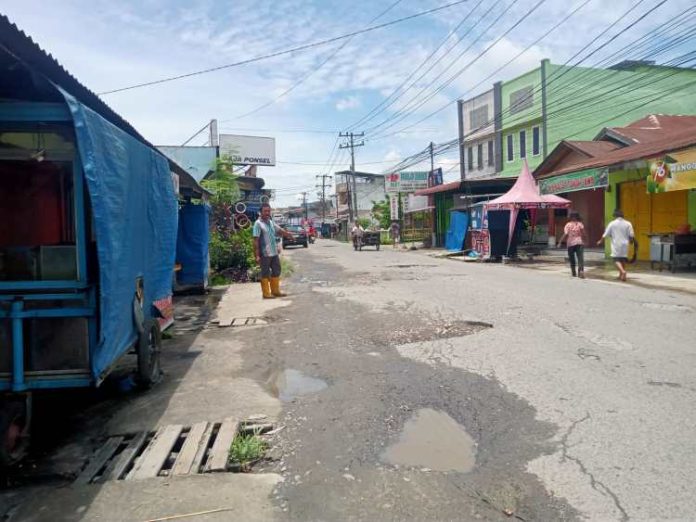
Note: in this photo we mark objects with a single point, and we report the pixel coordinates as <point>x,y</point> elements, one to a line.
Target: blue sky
<point>108,45</point>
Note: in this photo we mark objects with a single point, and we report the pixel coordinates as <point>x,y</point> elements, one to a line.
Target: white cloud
<point>349,102</point>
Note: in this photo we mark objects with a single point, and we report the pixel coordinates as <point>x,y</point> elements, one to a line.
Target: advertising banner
<point>394,207</point>
<point>435,178</point>
<point>585,179</point>
<point>406,181</point>
<point>248,150</point>
<point>676,171</point>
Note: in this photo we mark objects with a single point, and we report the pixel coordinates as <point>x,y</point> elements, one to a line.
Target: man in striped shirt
<point>266,252</point>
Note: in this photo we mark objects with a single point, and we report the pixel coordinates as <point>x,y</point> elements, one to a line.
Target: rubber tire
<point>10,413</point>
<point>378,246</point>
<point>148,349</point>
<point>305,244</point>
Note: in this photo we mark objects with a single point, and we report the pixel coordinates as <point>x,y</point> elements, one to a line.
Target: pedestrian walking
<point>394,233</point>
<point>620,232</point>
<point>266,252</point>
<point>575,237</point>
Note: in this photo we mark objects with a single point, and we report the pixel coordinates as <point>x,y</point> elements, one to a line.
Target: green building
<point>542,107</point>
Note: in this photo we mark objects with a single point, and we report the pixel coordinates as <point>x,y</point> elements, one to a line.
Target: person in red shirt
<point>574,233</point>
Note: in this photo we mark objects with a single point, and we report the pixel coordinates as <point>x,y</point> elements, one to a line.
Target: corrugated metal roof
<point>17,44</point>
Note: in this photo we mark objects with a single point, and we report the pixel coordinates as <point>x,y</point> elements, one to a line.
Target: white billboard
<point>248,150</point>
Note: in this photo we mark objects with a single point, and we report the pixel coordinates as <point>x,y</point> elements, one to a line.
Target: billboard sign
<point>248,150</point>
<point>406,181</point>
<point>675,171</point>
<point>435,177</point>
<point>582,180</point>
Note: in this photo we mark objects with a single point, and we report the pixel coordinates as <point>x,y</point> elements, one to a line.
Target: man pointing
<point>266,252</point>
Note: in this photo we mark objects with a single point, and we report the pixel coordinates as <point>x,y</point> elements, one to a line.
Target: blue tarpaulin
<point>192,245</point>
<point>459,223</point>
<point>134,209</point>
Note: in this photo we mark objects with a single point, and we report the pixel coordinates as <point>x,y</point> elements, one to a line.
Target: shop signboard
<point>406,181</point>
<point>248,150</point>
<point>674,171</point>
<point>583,180</point>
<point>394,207</point>
<point>435,178</point>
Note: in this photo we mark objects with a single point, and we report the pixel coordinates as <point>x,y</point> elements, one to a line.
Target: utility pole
<point>432,156</point>
<point>351,145</point>
<point>304,204</point>
<point>323,177</point>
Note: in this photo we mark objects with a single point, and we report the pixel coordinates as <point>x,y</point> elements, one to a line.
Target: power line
<point>285,51</point>
<point>444,106</point>
<point>386,103</point>
<point>314,70</point>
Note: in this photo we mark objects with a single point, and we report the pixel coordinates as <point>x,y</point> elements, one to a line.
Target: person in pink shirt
<point>574,233</point>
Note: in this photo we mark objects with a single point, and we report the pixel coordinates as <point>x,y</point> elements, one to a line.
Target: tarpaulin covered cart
<point>87,246</point>
<point>524,195</point>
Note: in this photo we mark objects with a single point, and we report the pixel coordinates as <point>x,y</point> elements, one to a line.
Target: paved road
<point>413,388</point>
<point>579,397</point>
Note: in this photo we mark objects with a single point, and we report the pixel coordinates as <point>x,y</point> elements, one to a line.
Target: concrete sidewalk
<point>555,262</point>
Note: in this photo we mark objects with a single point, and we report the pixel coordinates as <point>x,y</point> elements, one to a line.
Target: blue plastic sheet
<point>134,211</point>
<point>459,223</point>
<point>192,245</point>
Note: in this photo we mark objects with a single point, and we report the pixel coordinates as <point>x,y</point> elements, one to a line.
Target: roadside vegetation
<point>245,450</point>
<point>231,247</point>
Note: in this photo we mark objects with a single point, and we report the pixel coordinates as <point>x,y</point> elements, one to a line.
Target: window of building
<point>470,158</point>
<point>510,148</point>
<point>479,156</point>
<point>478,118</point>
<point>521,99</point>
<point>535,141</point>
<point>523,144</point>
<point>491,159</point>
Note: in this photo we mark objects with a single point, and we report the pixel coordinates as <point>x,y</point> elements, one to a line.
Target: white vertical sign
<point>394,206</point>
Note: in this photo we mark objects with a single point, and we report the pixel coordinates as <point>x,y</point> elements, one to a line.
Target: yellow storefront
<point>652,213</point>
<point>659,198</point>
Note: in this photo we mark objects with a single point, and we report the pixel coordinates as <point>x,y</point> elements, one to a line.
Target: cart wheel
<point>14,432</point>
<point>378,245</point>
<point>305,244</point>
<point>149,348</point>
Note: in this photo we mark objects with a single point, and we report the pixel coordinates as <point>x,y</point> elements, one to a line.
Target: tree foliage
<point>382,213</point>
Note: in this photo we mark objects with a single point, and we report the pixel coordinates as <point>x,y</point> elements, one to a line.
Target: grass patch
<point>287,267</point>
<point>247,449</point>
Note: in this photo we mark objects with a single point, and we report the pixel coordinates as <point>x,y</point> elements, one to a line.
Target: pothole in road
<point>402,265</point>
<point>432,439</point>
<point>289,384</point>
<point>434,330</point>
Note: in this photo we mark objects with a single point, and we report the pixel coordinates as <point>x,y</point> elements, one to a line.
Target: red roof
<point>653,126</point>
<point>668,142</point>
<point>593,148</point>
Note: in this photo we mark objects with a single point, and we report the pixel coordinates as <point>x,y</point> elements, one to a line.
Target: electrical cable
<point>285,51</point>
<point>315,69</point>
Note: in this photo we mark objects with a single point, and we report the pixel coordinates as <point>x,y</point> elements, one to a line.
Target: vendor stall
<point>524,195</point>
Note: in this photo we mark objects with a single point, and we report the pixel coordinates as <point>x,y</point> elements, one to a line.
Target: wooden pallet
<point>170,450</point>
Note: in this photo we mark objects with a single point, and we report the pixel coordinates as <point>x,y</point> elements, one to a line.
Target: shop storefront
<point>657,198</point>
<point>585,190</point>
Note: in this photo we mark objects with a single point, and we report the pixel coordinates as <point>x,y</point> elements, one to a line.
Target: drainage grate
<point>243,321</point>
<point>171,450</point>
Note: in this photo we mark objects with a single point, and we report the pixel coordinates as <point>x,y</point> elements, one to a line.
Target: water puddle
<point>290,384</point>
<point>432,439</point>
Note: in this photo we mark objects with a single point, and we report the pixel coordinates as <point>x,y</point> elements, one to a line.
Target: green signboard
<point>583,180</point>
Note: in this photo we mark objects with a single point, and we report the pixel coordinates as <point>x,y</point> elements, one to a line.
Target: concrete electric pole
<point>350,144</point>
<point>323,178</point>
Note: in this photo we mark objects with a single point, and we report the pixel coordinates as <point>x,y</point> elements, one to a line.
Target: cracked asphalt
<point>578,396</point>
<point>578,393</point>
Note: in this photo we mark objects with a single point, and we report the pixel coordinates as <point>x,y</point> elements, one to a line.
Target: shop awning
<point>445,187</point>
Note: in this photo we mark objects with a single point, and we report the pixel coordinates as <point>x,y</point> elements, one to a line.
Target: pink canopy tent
<point>524,195</point>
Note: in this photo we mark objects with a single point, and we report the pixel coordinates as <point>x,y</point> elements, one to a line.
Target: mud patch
<point>433,440</point>
<point>416,333</point>
<point>289,384</point>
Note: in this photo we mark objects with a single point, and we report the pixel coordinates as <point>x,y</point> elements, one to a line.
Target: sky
<point>109,45</point>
